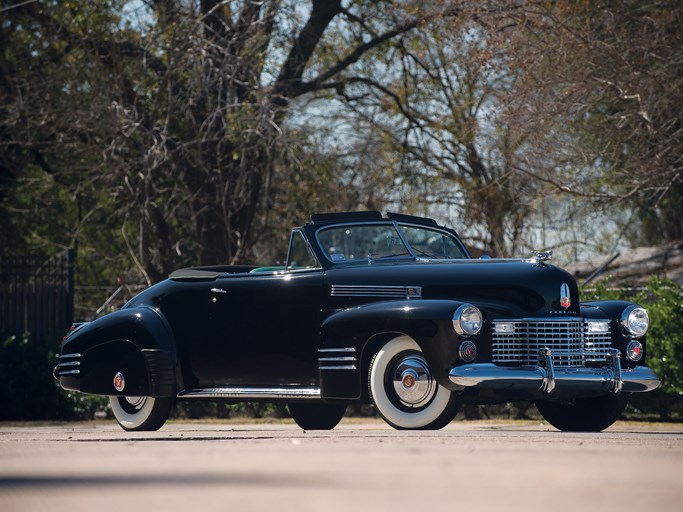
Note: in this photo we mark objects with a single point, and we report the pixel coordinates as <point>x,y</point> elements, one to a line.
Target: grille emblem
<point>565,299</point>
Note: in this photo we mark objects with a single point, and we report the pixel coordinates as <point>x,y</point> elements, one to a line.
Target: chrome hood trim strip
<point>396,292</point>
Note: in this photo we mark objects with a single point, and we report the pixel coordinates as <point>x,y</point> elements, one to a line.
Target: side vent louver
<point>337,358</point>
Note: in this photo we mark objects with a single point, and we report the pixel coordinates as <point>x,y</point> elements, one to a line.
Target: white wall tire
<point>142,413</point>
<point>403,390</point>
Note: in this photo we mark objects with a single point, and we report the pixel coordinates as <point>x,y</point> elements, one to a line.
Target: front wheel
<point>316,416</point>
<point>404,391</point>
<point>141,413</point>
<point>584,414</point>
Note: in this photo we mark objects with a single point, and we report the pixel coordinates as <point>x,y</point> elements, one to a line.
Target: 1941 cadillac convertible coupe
<point>390,310</point>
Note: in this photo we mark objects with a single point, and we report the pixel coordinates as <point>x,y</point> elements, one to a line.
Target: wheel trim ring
<point>129,417</point>
<point>402,417</point>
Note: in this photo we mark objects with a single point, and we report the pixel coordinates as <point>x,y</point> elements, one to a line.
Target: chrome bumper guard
<point>545,378</point>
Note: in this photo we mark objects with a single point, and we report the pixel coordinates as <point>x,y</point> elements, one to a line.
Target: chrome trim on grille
<point>394,292</point>
<point>342,358</point>
<point>244,393</point>
<point>572,343</point>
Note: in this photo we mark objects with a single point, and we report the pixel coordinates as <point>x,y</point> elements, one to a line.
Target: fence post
<point>70,264</point>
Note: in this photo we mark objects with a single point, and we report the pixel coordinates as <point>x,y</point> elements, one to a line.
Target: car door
<point>264,328</point>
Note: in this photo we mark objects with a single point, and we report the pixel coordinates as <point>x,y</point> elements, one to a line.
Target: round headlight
<point>467,320</point>
<point>635,321</point>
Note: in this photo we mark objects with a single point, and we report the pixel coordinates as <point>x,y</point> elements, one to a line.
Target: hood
<point>503,288</point>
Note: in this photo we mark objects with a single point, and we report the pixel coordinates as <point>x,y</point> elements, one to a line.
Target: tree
<point>439,115</point>
<point>189,107</point>
<point>601,83</point>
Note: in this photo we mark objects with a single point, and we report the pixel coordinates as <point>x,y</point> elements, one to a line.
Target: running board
<point>253,393</point>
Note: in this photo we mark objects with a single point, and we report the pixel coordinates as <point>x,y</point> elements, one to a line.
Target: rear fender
<point>136,343</point>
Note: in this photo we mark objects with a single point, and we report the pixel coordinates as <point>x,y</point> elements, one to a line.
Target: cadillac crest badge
<point>565,298</point>
<point>119,382</point>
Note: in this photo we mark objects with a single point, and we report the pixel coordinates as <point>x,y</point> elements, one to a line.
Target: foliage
<point>29,392</point>
<point>663,300</point>
<point>169,136</point>
<point>599,89</point>
<point>439,115</point>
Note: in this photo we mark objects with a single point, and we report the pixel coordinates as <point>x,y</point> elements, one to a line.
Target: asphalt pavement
<point>468,466</point>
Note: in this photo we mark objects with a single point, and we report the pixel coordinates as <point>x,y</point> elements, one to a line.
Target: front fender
<point>610,309</point>
<point>428,322</point>
<point>613,310</point>
<point>136,342</point>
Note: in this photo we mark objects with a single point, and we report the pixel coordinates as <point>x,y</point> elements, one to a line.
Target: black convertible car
<point>390,310</point>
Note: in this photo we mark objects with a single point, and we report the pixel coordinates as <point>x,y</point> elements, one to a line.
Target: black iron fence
<point>36,296</point>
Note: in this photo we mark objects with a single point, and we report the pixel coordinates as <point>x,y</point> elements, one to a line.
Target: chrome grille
<point>573,342</point>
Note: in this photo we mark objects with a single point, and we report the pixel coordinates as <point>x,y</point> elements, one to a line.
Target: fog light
<point>598,327</point>
<point>634,351</point>
<point>468,351</point>
<point>504,328</point>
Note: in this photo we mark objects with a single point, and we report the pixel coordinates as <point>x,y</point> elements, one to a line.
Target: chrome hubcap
<point>412,381</point>
<point>136,401</point>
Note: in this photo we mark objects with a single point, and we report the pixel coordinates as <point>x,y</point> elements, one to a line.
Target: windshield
<point>432,244</point>
<point>377,241</point>
<point>349,243</point>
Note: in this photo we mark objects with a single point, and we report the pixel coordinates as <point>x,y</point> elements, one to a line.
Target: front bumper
<point>547,379</point>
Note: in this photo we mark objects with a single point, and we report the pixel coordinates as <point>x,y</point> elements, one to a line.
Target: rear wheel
<point>404,391</point>
<point>584,414</point>
<point>316,416</point>
<point>141,413</point>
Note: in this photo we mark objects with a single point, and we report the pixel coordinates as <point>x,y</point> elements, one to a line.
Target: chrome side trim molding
<point>70,372</point>
<point>69,364</point>
<point>389,292</point>
<point>343,358</point>
<point>254,393</point>
<point>69,356</point>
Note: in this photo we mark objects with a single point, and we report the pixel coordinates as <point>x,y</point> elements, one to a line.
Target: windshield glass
<point>375,241</point>
<point>432,244</point>
<point>359,242</point>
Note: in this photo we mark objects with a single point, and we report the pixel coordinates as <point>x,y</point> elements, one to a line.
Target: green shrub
<point>28,390</point>
<point>663,299</point>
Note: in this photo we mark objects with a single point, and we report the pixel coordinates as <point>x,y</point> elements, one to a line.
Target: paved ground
<point>357,467</point>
